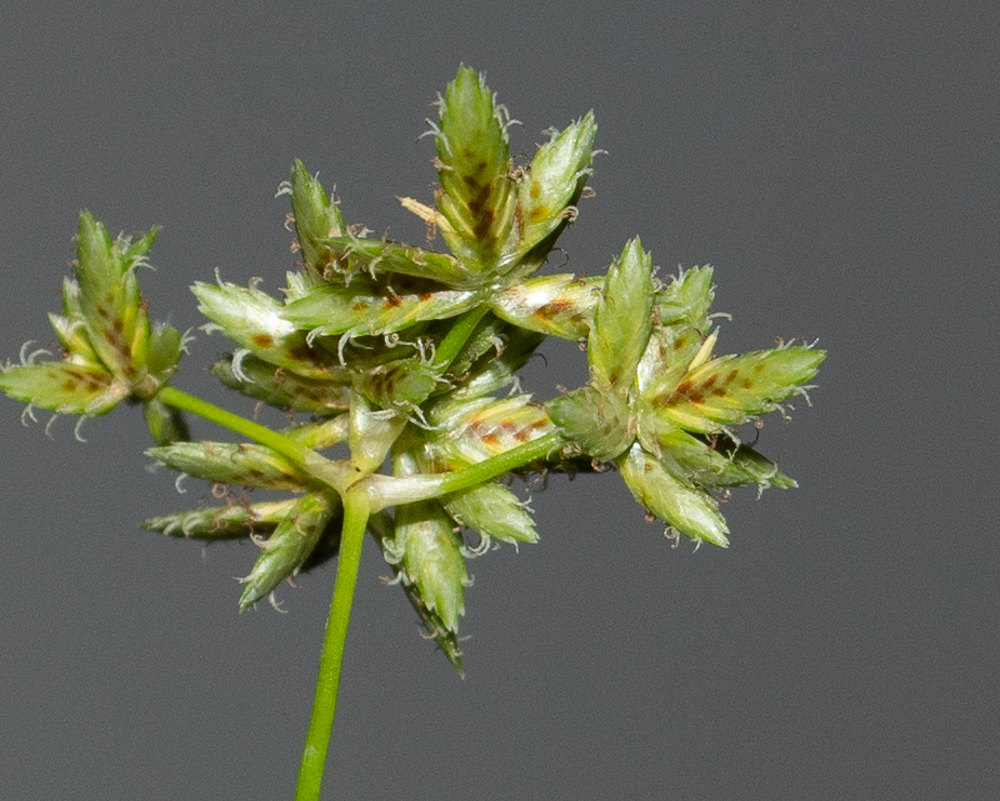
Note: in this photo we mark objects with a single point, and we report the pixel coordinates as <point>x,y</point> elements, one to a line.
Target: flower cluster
<point>110,351</point>
<point>408,358</point>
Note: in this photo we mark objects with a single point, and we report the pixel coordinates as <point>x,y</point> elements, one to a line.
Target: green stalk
<point>180,399</point>
<point>458,335</point>
<point>310,782</point>
<point>356,512</point>
<point>385,491</point>
<point>503,463</point>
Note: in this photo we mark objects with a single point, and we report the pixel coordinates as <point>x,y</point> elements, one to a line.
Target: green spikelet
<point>476,201</point>
<point>561,305</point>
<point>289,547</point>
<point>283,389</point>
<point>247,465</point>
<point>727,391</point>
<point>109,296</point>
<point>64,387</point>
<point>622,321</point>
<point>492,510</point>
<point>596,419</point>
<point>256,321</point>
<point>657,485</point>
<point>370,307</point>
<point>547,189</point>
<point>316,220</point>
<point>224,523</point>
<point>111,352</point>
<point>428,550</point>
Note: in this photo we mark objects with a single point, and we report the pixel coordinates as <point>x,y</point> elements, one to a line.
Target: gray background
<point>837,163</point>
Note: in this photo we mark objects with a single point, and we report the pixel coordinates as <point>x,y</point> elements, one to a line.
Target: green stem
<point>310,782</point>
<point>385,491</point>
<point>180,399</point>
<point>337,475</point>
<point>457,336</point>
<point>537,449</point>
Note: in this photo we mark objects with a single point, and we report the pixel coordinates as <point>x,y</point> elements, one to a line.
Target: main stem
<point>325,702</point>
<point>359,502</point>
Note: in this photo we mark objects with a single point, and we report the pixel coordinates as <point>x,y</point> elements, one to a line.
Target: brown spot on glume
<point>507,428</point>
<point>69,385</point>
<point>536,189</point>
<point>746,383</point>
<point>393,302</point>
<point>522,435</point>
<point>119,326</point>
<point>684,387</point>
<point>105,314</point>
<point>696,397</point>
<point>110,338</point>
<point>553,309</point>
<point>425,296</point>
<point>263,340</point>
<point>732,376</point>
<point>110,298</point>
<point>359,306</point>
<point>709,382</point>
<point>490,439</point>
<point>479,198</point>
<point>719,392</point>
<point>484,222</point>
<point>759,367</point>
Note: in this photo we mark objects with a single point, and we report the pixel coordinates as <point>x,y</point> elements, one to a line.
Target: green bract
<point>405,360</point>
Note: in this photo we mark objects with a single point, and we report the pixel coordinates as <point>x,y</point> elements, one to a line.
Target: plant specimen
<point>403,360</point>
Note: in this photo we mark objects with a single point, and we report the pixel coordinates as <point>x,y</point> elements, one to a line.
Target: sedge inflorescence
<point>408,357</point>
